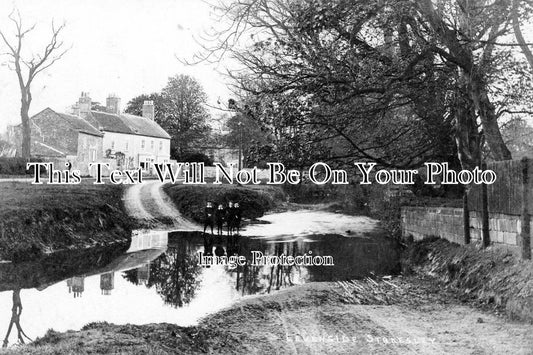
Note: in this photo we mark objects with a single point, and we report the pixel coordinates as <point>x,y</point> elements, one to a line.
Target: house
<point>58,138</point>
<point>84,136</point>
<point>137,140</point>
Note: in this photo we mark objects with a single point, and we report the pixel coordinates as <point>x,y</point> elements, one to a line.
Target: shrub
<point>15,166</point>
<point>254,202</point>
<point>197,157</point>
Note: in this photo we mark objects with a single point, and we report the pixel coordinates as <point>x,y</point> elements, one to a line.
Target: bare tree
<point>16,310</point>
<point>28,68</point>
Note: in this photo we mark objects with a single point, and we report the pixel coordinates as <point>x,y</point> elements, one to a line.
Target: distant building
<point>76,285</point>
<point>107,283</point>
<point>222,155</point>
<point>84,136</point>
<point>143,274</point>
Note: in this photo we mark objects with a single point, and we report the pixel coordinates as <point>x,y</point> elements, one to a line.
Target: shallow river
<point>157,278</point>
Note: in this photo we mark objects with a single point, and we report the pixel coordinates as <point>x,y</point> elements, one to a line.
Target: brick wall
<point>444,222</point>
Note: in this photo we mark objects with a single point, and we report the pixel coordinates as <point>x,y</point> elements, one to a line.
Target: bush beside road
<point>254,200</point>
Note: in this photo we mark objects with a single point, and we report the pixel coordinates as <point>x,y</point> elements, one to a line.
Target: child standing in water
<point>209,216</point>
<point>220,215</point>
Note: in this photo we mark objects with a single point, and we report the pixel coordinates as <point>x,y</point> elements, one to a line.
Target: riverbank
<point>39,219</point>
<point>313,318</point>
<point>254,201</point>
<point>436,307</point>
<point>494,278</point>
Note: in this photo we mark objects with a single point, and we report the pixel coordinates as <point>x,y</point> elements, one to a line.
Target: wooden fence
<point>510,194</point>
<point>505,195</point>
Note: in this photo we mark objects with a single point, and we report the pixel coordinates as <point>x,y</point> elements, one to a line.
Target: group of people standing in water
<point>217,217</point>
<point>220,215</point>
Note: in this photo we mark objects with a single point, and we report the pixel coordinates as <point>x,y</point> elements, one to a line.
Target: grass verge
<point>254,200</point>
<point>36,219</point>
<point>493,278</point>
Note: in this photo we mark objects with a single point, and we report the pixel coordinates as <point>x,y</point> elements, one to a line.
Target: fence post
<point>485,235</point>
<point>466,217</point>
<point>525,237</point>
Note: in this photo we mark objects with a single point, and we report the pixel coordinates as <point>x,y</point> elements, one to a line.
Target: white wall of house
<point>140,148</point>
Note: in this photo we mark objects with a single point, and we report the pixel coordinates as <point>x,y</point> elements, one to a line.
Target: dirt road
<point>310,319</point>
<point>148,203</point>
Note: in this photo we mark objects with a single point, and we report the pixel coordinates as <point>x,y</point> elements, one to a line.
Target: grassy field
<point>41,218</point>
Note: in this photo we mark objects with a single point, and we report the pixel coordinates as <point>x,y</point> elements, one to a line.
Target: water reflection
<point>74,267</point>
<point>16,310</point>
<point>76,285</point>
<point>107,283</point>
<point>353,258</point>
<point>174,274</point>
<point>159,276</point>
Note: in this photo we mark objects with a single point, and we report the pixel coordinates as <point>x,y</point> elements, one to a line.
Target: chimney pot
<point>84,104</point>
<point>148,110</point>
<point>113,104</point>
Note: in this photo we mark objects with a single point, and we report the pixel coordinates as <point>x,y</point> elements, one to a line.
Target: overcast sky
<point>125,47</point>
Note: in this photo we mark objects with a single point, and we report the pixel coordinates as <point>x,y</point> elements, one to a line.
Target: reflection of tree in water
<point>248,279</point>
<point>252,279</point>
<point>16,310</point>
<point>174,275</point>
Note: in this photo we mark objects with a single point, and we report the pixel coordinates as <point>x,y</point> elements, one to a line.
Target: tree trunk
<point>466,218</point>
<point>26,130</point>
<point>518,35</point>
<point>485,231</point>
<point>489,121</point>
<point>463,57</point>
<point>467,135</point>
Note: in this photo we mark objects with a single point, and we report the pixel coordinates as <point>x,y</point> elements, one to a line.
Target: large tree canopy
<point>180,110</point>
<point>395,82</point>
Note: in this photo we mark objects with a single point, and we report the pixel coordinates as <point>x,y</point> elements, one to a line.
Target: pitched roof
<point>75,122</point>
<point>125,123</point>
<point>41,149</point>
<point>80,124</point>
<point>107,122</point>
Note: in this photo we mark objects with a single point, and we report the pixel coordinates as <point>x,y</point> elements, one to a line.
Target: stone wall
<point>54,132</point>
<point>89,151</point>
<point>444,222</point>
<point>421,222</point>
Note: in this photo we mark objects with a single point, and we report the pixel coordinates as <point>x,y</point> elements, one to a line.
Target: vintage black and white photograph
<point>266,177</point>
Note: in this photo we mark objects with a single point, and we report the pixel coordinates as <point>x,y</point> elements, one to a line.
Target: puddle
<point>157,278</point>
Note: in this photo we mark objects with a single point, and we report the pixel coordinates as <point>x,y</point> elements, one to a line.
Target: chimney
<point>148,110</point>
<point>112,104</point>
<point>74,109</point>
<point>84,104</point>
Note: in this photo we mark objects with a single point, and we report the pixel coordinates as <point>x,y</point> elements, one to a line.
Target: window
<point>160,145</point>
<point>142,144</point>
<point>152,145</point>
